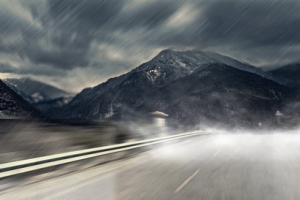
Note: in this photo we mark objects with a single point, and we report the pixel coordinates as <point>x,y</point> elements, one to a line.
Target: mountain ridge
<point>290,72</point>
<point>35,91</point>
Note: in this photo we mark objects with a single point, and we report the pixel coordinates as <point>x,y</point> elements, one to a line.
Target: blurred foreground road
<point>206,167</point>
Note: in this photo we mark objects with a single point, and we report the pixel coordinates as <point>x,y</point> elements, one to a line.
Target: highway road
<point>217,166</point>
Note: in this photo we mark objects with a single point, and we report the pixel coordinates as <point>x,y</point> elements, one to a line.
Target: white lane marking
<point>186,182</point>
<point>69,160</point>
<point>297,152</point>
<point>216,153</point>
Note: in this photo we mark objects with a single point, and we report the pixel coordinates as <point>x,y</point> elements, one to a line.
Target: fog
<point>29,139</point>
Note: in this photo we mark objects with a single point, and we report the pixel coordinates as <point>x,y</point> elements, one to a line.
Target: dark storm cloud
<point>263,30</point>
<point>68,29</point>
<point>27,70</point>
<point>149,15</point>
<point>91,14</point>
<point>73,25</point>
<point>64,59</point>
<point>256,22</point>
<point>236,25</point>
<point>7,68</point>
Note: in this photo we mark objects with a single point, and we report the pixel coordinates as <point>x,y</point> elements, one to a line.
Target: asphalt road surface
<point>218,166</point>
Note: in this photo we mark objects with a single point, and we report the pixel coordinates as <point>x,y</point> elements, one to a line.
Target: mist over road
<point>218,166</point>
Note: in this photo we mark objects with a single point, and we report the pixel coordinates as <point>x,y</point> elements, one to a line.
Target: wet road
<point>231,166</point>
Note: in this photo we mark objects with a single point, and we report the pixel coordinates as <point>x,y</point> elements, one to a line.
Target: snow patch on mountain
<point>204,73</point>
<point>182,64</point>
<point>152,75</point>
<point>37,96</point>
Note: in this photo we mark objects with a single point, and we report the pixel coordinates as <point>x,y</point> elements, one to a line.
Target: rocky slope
<point>12,105</point>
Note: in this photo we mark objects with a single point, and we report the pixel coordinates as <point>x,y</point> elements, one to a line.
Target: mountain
<point>290,72</point>
<point>189,86</point>
<point>221,94</point>
<point>249,68</point>
<point>35,91</point>
<point>12,105</point>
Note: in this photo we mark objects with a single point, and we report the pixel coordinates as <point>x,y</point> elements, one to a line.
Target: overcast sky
<point>75,44</point>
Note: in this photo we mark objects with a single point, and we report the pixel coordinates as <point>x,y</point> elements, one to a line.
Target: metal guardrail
<point>28,165</point>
